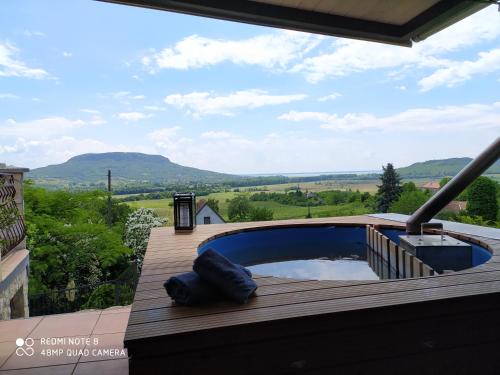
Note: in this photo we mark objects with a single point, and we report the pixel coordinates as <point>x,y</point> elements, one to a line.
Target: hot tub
<point>312,252</point>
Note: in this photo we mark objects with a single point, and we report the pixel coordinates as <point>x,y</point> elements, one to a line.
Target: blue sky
<point>83,76</point>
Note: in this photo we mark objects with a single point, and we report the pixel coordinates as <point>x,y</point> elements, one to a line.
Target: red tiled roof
<point>434,185</point>
<point>200,204</point>
<point>455,206</point>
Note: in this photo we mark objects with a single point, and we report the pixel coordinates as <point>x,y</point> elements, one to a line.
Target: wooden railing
<point>398,260</point>
<point>12,228</point>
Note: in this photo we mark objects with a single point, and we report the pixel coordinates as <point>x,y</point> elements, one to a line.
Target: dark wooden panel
<point>308,320</point>
<point>356,339</point>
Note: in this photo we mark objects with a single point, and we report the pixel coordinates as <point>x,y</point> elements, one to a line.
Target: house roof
<point>399,22</point>
<point>455,206</point>
<point>432,185</point>
<point>202,203</point>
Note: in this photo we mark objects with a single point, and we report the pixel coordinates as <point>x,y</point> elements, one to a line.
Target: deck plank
<point>155,317</point>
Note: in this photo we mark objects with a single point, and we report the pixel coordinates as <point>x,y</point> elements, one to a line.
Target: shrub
<point>137,230</point>
<point>104,296</point>
<point>261,214</point>
<point>482,199</point>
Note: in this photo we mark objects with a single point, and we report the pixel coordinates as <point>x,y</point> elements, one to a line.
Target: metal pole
<point>454,187</point>
<point>109,200</point>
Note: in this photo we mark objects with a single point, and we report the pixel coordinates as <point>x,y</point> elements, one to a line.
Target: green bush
<point>482,199</point>
<point>104,296</point>
<point>409,202</point>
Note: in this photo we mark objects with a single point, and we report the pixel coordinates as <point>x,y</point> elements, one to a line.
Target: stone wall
<point>6,295</point>
<point>14,267</point>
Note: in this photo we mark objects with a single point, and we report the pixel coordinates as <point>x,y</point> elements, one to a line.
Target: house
<point>455,206</point>
<point>432,186</point>
<point>206,215</point>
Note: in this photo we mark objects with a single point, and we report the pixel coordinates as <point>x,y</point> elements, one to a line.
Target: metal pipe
<point>454,187</point>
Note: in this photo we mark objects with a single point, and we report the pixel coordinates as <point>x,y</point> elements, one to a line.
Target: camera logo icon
<point>25,347</point>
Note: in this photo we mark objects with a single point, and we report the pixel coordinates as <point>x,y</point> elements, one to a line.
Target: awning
<point>398,22</point>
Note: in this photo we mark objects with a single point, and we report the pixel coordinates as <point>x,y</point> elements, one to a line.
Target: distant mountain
<point>440,168</point>
<point>126,167</point>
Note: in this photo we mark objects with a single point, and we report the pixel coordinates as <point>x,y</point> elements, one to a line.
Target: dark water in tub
<point>312,252</point>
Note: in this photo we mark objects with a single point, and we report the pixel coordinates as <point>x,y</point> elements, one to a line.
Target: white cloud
<point>274,50</point>
<point>204,103</point>
<point>233,153</point>
<point>120,94</point>
<point>303,150</point>
<point>352,56</point>
<point>12,67</point>
<point>8,96</point>
<point>332,96</point>
<point>480,27</point>
<point>458,72</point>
<point>124,97</point>
<point>67,54</point>
<point>471,116</point>
<point>153,108</point>
<point>401,87</point>
<point>91,111</point>
<point>41,152</point>
<point>133,116</point>
<point>164,133</point>
<point>31,33</point>
<point>39,128</point>
<point>97,120</point>
<point>168,142</point>
<point>216,135</point>
<point>305,116</point>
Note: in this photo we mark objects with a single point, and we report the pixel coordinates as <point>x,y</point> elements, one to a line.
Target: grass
<point>316,186</point>
<point>160,206</point>
<point>281,211</point>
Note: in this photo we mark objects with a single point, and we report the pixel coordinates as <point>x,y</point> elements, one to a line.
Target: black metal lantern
<point>184,211</point>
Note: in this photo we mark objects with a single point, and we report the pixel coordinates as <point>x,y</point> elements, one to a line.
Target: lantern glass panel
<point>184,215</point>
<point>184,211</point>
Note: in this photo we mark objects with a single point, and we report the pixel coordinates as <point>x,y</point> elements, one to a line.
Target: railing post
<point>454,187</point>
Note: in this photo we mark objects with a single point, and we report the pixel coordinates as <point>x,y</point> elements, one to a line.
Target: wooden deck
<point>437,324</point>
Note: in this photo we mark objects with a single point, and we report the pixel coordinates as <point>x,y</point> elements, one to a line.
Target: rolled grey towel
<point>191,290</point>
<point>230,279</point>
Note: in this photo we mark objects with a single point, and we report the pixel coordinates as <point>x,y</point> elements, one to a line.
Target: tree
<point>261,214</point>
<point>444,181</point>
<point>137,230</point>
<point>239,208</point>
<point>390,190</point>
<point>482,198</point>
<point>69,241</point>
<point>213,204</point>
<point>409,202</point>
<point>409,186</point>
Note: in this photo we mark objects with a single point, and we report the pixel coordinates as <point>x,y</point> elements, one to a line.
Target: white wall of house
<point>205,214</point>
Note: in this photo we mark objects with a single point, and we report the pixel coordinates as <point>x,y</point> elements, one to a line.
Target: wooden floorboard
<point>297,292</point>
<point>155,318</point>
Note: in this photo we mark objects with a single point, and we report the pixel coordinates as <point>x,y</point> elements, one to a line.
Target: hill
<point>440,168</point>
<point>126,168</point>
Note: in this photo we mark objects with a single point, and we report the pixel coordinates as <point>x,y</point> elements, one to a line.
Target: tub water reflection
<point>312,252</point>
<point>318,269</point>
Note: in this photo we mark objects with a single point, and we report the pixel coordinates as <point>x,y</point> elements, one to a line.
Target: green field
<point>281,212</point>
<point>316,186</point>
